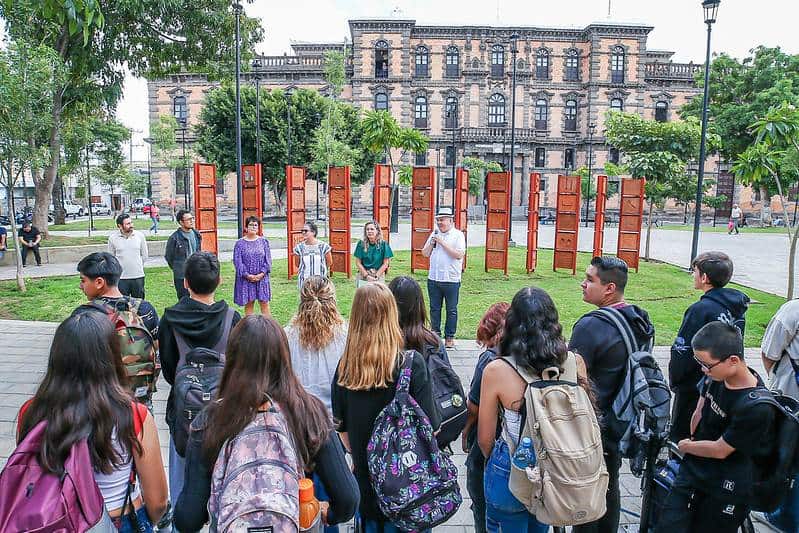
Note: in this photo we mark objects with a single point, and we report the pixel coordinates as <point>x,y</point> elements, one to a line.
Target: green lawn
<point>663,290</point>
<point>720,228</point>
<point>59,240</point>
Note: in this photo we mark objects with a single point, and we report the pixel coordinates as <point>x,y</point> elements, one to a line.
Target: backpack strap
<point>617,319</point>
<point>404,381</point>
<point>566,372</point>
<point>219,347</point>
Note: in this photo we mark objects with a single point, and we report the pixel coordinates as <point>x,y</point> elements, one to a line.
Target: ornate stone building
<point>455,84</point>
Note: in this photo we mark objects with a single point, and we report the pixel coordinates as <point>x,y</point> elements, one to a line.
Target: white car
<point>101,209</point>
<point>71,209</point>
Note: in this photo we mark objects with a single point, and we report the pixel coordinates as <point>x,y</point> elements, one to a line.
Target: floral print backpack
<point>415,482</point>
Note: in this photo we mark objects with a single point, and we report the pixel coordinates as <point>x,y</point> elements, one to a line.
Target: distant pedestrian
<point>181,244</point>
<point>735,219</point>
<point>130,248</point>
<point>372,255</point>
<point>29,239</point>
<point>252,258</point>
<point>155,218</point>
<point>445,247</point>
<point>315,256</point>
<point>173,204</point>
<point>3,242</point>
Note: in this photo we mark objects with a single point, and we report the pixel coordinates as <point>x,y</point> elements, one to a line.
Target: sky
<point>678,27</point>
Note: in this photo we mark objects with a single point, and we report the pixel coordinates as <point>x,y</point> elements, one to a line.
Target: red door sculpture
<point>251,198</point>
<point>462,206</point>
<point>295,212</point>
<point>423,202</point>
<point>532,221</point>
<point>567,223</point>
<point>498,223</point>
<point>381,199</point>
<point>205,205</point>
<point>599,215</point>
<point>631,215</point>
<point>340,196</point>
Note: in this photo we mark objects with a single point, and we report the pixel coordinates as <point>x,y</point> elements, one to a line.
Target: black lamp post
<point>591,130</point>
<point>319,175</point>
<point>439,192</point>
<point>514,50</point>
<point>452,116</point>
<point>185,167</point>
<point>237,10</point>
<point>710,8</point>
<point>288,92</point>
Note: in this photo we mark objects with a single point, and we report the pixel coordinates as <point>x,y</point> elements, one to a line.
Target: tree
<point>151,39</point>
<point>477,173</point>
<point>108,138</point>
<point>29,75</point>
<point>382,134</point>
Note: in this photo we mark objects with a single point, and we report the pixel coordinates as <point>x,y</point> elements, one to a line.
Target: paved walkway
<point>26,346</point>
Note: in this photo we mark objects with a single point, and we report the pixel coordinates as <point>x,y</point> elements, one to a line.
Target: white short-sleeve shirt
<point>443,267</point>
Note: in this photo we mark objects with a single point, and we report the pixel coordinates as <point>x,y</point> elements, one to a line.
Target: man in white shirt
<point>735,217</point>
<point>130,248</point>
<point>445,247</point>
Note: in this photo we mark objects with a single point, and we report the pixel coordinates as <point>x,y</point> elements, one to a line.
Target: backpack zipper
<point>252,464</point>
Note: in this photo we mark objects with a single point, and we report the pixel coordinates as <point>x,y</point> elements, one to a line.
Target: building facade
<point>455,84</point>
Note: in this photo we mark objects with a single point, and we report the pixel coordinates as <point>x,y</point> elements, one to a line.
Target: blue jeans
<point>177,467</point>
<point>440,291</point>
<point>154,226</point>
<point>322,496</point>
<point>145,526</point>
<point>786,517</point>
<point>503,511</point>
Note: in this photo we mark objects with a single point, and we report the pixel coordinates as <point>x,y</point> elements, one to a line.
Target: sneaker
<point>449,344</point>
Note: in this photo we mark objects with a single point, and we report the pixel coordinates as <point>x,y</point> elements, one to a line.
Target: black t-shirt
<point>728,414</point>
<point>355,412</point>
<point>30,235</point>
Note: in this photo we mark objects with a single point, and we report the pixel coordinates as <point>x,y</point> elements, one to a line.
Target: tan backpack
<point>567,486</point>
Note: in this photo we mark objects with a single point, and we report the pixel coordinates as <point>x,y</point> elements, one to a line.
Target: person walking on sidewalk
<point>445,247</point>
<point>155,218</point>
<point>735,219</point>
<point>130,248</point>
<point>181,244</point>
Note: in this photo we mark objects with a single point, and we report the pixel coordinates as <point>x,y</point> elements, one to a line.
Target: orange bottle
<point>310,512</point>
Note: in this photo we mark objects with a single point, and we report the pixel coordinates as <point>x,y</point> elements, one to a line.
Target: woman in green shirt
<point>372,255</point>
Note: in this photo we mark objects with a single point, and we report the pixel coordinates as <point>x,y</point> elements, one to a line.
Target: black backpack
<point>197,379</point>
<point>448,395</point>
<point>775,471</point>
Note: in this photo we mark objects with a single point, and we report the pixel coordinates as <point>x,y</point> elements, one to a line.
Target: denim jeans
<point>786,517</point>
<point>177,467</point>
<point>503,511</point>
<point>143,522</point>
<point>439,292</point>
<point>154,226</point>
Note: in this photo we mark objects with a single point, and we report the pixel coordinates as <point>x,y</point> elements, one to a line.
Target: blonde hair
<point>318,318</point>
<point>374,340</point>
<point>378,239</point>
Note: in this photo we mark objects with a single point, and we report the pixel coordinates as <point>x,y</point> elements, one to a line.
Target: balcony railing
<point>495,134</point>
<point>671,71</point>
<point>273,63</point>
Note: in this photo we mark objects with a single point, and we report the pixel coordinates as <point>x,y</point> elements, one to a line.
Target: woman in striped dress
<point>315,257</point>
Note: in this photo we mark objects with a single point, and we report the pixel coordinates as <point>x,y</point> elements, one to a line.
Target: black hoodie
<point>602,348</point>
<point>726,305</point>
<point>200,324</point>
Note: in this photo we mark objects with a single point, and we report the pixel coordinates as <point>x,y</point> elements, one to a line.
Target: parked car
<point>71,209</point>
<point>139,205</point>
<point>101,209</point>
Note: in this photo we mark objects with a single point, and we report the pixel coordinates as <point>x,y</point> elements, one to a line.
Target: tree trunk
<point>685,214</point>
<point>17,250</point>
<point>60,214</point>
<point>648,231</point>
<point>792,263</point>
<point>44,185</point>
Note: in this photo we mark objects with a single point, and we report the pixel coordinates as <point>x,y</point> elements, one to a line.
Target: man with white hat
<point>445,247</point>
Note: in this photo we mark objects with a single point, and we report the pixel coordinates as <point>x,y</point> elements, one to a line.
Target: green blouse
<point>372,258</point>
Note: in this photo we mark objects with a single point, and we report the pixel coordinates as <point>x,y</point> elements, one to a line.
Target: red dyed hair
<point>491,326</point>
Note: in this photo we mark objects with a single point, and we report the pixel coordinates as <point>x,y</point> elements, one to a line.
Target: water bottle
<point>525,455</point>
<point>310,512</point>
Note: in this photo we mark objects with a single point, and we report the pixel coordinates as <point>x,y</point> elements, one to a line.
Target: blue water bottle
<point>525,455</point>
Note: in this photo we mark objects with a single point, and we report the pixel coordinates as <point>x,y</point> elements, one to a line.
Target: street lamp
<point>237,11</point>
<point>185,166</point>
<point>514,50</point>
<point>318,117</point>
<point>452,116</point>
<point>288,93</point>
<point>591,130</point>
<point>710,8</point>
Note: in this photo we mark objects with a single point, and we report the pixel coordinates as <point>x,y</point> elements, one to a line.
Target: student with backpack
<point>448,392</point>
<point>377,384</point>
<point>489,333</point>
<point>266,427</point>
<point>711,272</point>
<point>317,335</point>
<point>195,327</point>
<point>84,451</point>
<point>602,346</point>
<point>730,431</point>
<point>532,349</point>
<point>134,319</point>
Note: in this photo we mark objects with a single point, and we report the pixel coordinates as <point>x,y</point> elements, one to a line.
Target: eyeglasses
<point>707,366</point>
<point>305,231</point>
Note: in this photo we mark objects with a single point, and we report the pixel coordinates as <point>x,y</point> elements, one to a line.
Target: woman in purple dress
<point>252,259</point>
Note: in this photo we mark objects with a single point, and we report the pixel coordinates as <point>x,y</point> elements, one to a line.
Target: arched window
<point>381,101</point>
<point>420,111</point>
<point>451,112</point>
<point>541,114</point>
<point>662,111</point>
<point>452,59</point>
<point>181,110</point>
<point>542,64</point>
<point>496,110</point>
<point>570,115</point>
<point>497,61</point>
<point>422,61</point>
<point>617,64</point>
<point>616,104</point>
<point>572,65</point>
<point>381,59</point>
<point>475,63</point>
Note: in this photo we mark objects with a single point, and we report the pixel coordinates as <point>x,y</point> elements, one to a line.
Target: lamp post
<point>591,130</point>
<point>452,115</point>
<point>185,167</point>
<point>514,50</point>
<point>319,175</point>
<point>288,92</point>
<point>438,173</point>
<point>237,10</point>
<point>710,8</point>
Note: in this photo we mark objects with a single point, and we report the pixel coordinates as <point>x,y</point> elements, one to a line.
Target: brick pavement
<point>26,345</point>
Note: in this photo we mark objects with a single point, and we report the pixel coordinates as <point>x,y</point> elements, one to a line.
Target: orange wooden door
<point>462,206</point>
<point>631,215</point>
<point>533,202</point>
<point>498,221</point>
<point>567,223</point>
<point>599,215</point>
<point>251,198</point>
<point>381,199</point>
<point>205,205</point>
<point>340,216</point>
<point>295,212</point>
<point>423,203</point>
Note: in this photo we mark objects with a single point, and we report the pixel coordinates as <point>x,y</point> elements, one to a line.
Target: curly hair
<point>492,325</point>
<point>365,241</point>
<point>533,335</point>
<point>318,318</point>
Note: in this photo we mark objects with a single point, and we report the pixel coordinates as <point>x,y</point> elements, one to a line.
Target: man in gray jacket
<point>181,244</point>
